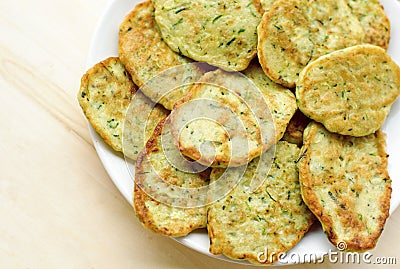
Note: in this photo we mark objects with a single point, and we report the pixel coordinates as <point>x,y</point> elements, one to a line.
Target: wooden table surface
<point>58,206</point>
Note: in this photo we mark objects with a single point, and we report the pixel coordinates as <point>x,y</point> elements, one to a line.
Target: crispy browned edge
<point>193,153</point>
<point>386,41</point>
<point>262,32</point>
<point>312,201</point>
<point>258,5</point>
<point>85,85</point>
<point>140,197</point>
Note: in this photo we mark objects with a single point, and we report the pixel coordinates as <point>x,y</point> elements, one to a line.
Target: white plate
<point>105,44</point>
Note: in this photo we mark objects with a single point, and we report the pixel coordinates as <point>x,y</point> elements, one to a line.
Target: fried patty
<point>295,32</point>
<point>159,195</point>
<point>345,183</point>
<point>244,224</point>
<point>229,119</point>
<point>221,33</point>
<point>350,91</point>
<point>105,94</point>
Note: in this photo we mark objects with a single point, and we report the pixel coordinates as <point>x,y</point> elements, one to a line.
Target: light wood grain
<point>58,207</point>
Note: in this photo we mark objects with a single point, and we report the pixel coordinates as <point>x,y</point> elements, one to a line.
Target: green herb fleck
<point>261,218</point>
<point>332,196</point>
<point>216,18</point>
<point>178,22</point>
<point>270,196</point>
<point>180,10</point>
<point>230,41</point>
<point>112,124</point>
<point>263,231</point>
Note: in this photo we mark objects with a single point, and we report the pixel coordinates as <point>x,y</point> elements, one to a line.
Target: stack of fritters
<point>316,85</point>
